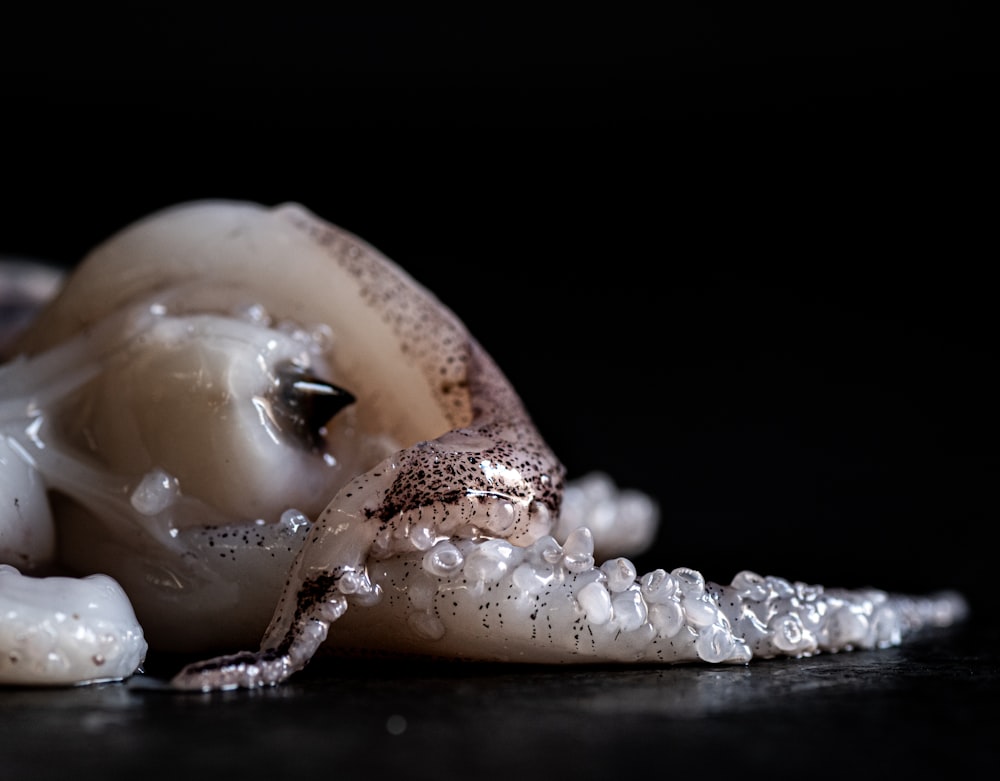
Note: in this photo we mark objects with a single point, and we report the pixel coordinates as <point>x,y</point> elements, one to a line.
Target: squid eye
<point>304,403</point>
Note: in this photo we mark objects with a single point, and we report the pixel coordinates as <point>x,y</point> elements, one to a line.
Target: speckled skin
<point>484,470</point>
<point>491,475</point>
<point>440,547</point>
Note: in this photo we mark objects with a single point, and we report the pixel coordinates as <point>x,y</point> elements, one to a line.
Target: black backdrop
<point>739,260</point>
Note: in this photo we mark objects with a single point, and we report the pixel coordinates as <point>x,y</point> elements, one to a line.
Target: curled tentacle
<point>494,478</point>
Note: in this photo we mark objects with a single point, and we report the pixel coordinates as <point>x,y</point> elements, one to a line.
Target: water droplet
<point>395,724</point>
<point>155,493</point>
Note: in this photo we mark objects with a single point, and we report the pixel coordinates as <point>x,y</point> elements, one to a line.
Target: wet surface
<point>925,707</point>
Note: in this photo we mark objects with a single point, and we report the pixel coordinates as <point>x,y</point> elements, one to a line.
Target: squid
<point>242,433</point>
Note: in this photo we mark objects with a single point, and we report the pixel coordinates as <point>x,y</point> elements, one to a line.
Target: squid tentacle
<point>548,603</point>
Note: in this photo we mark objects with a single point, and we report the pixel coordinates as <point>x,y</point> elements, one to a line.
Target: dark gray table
<point>926,707</point>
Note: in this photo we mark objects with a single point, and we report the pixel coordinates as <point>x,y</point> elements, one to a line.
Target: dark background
<point>741,260</point>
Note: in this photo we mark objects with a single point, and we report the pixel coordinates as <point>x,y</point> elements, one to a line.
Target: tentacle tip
<point>245,670</point>
<point>946,608</point>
